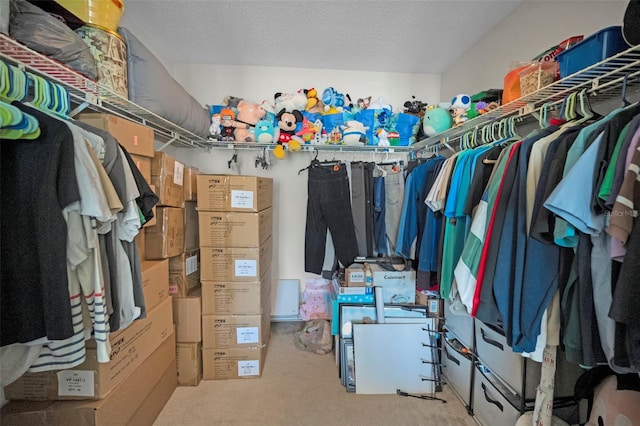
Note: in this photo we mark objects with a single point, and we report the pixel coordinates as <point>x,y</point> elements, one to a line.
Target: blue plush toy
<point>435,121</point>
<point>264,131</point>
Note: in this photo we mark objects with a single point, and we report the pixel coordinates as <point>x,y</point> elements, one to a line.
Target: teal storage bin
<point>593,49</point>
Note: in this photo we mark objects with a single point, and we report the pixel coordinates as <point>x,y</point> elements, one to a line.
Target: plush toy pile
<point>314,117</point>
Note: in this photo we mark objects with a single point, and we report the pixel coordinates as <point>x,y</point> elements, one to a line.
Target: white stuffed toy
<point>290,101</point>
<point>353,132</point>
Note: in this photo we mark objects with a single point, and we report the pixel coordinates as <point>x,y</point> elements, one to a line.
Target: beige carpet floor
<point>302,388</point>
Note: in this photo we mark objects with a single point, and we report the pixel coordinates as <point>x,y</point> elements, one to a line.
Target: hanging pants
<point>329,208</point>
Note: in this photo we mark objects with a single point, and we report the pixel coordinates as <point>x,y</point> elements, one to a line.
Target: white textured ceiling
<point>420,36</point>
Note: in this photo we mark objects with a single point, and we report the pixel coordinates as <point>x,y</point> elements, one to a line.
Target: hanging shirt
<point>38,181</point>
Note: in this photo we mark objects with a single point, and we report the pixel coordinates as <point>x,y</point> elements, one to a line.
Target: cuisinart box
<point>397,286</point>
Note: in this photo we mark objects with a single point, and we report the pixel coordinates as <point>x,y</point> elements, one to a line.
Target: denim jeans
<point>329,207</point>
<point>379,211</point>
<point>362,206</point>
<point>394,194</point>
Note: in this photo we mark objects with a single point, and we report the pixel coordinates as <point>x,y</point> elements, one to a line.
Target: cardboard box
<point>191,240</point>
<point>397,286</point>
<point>136,138</point>
<point>236,331</point>
<point>155,282</point>
<point>167,174</point>
<point>234,263</point>
<point>138,400</point>
<point>221,298</point>
<point>144,165</point>
<point>184,273</point>
<point>166,238</point>
<point>141,243</point>
<point>233,363</point>
<point>154,219</point>
<point>191,184</point>
<point>435,305</point>
<point>187,313</point>
<point>157,399</point>
<point>189,363</point>
<point>92,380</point>
<point>354,276</point>
<point>234,193</point>
<point>235,229</point>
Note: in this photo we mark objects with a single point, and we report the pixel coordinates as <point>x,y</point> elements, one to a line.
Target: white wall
<point>532,28</point>
<point>210,84</point>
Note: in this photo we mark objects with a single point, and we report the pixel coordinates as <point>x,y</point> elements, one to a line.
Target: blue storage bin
<point>593,49</point>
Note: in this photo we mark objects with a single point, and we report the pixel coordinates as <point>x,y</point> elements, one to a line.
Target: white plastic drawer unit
<point>460,325</point>
<point>493,351</point>
<point>490,407</point>
<point>457,370</point>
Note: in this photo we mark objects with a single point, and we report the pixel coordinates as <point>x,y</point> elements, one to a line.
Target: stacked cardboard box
<point>235,224</point>
<point>184,286</point>
<point>137,381</point>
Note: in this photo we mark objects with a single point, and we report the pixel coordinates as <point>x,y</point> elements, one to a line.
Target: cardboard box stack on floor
<point>235,217</point>
<point>184,286</point>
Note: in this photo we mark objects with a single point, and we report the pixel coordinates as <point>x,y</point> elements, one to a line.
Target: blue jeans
<point>328,207</point>
<point>379,212</point>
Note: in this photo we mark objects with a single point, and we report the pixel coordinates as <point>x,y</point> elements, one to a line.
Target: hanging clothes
<point>38,182</point>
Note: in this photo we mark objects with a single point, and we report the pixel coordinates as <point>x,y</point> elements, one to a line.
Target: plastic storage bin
<point>593,49</point>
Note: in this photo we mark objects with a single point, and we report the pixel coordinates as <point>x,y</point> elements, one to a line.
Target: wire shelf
<point>602,81</point>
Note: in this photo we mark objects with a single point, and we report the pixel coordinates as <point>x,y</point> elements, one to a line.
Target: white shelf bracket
<point>169,142</point>
<point>77,110</point>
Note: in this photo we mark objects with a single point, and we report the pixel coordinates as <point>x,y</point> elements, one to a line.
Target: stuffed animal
<point>290,101</point>
<point>436,120</point>
<point>264,131</point>
<point>415,106</point>
<point>214,128</point>
<point>313,102</point>
<point>287,122</point>
<point>333,101</point>
<point>383,137</point>
<point>227,120</point>
<point>319,130</point>
<point>249,113</point>
<point>459,106</point>
<point>307,132</point>
<point>353,133</point>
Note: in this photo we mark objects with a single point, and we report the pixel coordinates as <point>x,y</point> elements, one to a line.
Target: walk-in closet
<point>319,212</point>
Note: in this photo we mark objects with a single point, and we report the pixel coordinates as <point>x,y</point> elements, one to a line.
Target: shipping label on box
<point>354,275</point>
<point>234,193</point>
<point>136,138</point>
<point>397,286</point>
<point>235,229</point>
<point>236,331</point>
<point>155,282</point>
<point>166,238</point>
<point>129,348</point>
<point>189,363</point>
<point>233,363</point>
<point>168,175</point>
<point>184,273</point>
<point>244,298</point>
<point>235,263</point>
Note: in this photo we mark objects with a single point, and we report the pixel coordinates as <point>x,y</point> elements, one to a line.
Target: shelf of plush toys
<point>602,81</point>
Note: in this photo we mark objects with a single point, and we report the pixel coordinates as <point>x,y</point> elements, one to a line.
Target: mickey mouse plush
<point>287,139</point>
